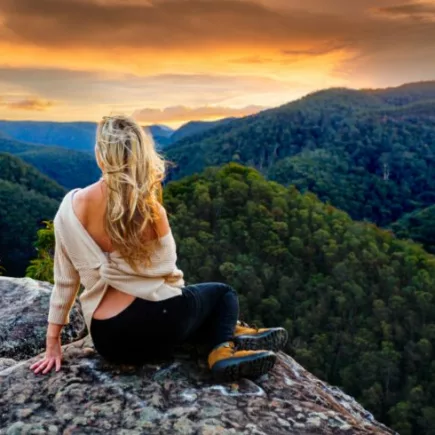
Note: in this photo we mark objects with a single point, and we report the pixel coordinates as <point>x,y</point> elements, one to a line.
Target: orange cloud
<point>182,113</point>
<point>97,56</point>
<point>272,38</point>
<point>31,104</point>
<point>419,11</point>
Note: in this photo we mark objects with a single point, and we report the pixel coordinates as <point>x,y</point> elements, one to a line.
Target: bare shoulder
<point>162,224</point>
<point>86,200</point>
<point>162,212</point>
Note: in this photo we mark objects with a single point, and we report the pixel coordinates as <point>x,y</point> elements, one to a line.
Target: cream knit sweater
<point>78,259</point>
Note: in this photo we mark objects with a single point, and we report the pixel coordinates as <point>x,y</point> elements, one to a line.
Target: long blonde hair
<point>133,172</point>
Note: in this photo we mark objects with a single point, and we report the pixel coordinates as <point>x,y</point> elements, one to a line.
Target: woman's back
<point>89,206</point>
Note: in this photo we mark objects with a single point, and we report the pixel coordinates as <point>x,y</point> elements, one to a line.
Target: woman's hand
<point>52,358</point>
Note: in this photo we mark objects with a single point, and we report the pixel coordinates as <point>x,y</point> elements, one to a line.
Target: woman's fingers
<point>46,364</point>
<point>41,366</point>
<point>36,364</point>
<point>49,366</point>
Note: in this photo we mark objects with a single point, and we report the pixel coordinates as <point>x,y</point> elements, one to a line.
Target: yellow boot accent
<point>225,361</point>
<point>249,338</point>
<point>244,329</point>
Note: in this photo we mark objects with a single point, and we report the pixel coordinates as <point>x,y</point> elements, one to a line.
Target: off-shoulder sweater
<point>78,259</point>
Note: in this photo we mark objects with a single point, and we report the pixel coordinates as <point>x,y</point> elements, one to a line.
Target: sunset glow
<point>170,60</point>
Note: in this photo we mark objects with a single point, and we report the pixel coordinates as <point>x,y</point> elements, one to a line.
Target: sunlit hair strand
<point>133,172</point>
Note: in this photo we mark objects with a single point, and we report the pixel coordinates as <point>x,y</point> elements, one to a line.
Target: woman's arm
<point>176,278</point>
<point>66,286</point>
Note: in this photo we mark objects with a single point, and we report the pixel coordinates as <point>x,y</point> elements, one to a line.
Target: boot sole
<point>250,367</point>
<point>274,339</point>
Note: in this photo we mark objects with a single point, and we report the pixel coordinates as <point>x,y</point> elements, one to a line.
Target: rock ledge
<point>177,396</point>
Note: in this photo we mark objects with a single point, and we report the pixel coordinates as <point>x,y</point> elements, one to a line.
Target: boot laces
<point>231,345</point>
<point>246,325</point>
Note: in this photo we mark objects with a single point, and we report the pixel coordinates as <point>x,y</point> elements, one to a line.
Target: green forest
<point>27,198</point>
<point>67,167</point>
<point>369,153</point>
<point>357,302</point>
<point>418,226</point>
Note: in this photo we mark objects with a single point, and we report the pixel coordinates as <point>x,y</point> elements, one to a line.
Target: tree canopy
<point>369,153</point>
<point>26,199</point>
<point>67,167</point>
<point>418,226</point>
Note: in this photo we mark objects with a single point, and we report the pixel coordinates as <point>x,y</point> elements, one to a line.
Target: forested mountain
<point>161,134</point>
<point>405,94</point>
<point>27,198</point>
<point>358,303</point>
<point>195,127</point>
<point>78,136</point>
<point>370,153</point>
<point>418,226</point>
<point>16,171</point>
<point>68,167</point>
<point>72,163</point>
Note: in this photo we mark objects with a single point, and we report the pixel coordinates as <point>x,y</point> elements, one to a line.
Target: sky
<point>170,61</point>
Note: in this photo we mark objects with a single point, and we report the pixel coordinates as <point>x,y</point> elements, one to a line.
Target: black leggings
<point>205,313</point>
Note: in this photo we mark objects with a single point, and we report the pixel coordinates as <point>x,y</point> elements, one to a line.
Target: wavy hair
<point>133,172</point>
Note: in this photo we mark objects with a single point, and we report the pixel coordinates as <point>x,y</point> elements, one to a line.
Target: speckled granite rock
<point>23,318</point>
<point>176,396</point>
<point>6,362</point>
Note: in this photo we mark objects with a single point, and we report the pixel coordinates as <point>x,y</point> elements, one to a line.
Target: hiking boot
<point>248,338</point>
<point>228,363</point>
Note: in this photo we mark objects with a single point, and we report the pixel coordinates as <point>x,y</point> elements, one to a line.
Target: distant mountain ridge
<point>405,94</point>
<point>81,136</point>
<point>195,127</point>
<point>64,151</point>
<point>368,152</point>
<point>69,168</point>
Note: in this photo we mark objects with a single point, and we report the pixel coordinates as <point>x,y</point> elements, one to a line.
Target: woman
<point>114,238</point>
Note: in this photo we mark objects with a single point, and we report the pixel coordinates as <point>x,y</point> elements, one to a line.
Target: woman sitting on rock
<point>114,238</point>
